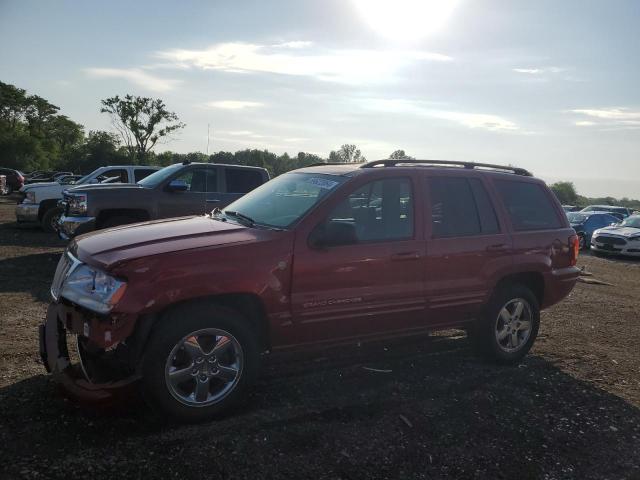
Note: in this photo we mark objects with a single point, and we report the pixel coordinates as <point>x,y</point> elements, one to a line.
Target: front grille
<point>611,240</point>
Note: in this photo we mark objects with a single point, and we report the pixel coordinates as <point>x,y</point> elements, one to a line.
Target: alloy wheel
<point>204,367</point>
<point>513,325</point>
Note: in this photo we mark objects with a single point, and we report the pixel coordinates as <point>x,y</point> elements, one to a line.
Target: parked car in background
<point>323,254</point>
<point>177,190</point>
<point>3,185</point>
<point>585,223</point>
<point>14,179</point>
<point>623,211</point>
<point>621,239</point>
<point>39,201</point>
<point>570,208</point>
<point>46,177</point>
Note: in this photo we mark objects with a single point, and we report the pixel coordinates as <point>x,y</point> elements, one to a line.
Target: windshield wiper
<point>241,216</point>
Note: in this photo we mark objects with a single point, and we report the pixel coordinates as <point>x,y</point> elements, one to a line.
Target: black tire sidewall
<point>169,330</point>
<point>46,219</point>
<point>485,330</point>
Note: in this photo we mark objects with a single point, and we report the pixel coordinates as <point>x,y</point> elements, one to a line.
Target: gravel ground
<point>570,410</point>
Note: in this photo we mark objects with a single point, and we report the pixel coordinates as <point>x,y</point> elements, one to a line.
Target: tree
<point>141,122</point>
<point>400,155</point>
<point>347,153</point>
<point>565,192</point>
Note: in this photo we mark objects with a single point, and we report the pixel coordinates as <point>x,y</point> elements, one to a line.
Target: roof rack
<point>447,163</point>
<point>320,164</point>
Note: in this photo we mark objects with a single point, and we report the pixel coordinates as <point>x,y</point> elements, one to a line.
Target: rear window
<point>241,180</point>
<point>460,207</point>
<point>528,205</point>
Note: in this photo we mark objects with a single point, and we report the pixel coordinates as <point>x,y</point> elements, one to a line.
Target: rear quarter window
<point>241,180</point>
<point>528,205</point>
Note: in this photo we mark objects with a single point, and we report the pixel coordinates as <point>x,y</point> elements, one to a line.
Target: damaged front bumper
<point>54,352</point>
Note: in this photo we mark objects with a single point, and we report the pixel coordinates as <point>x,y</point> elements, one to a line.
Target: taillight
<point>574,249</point>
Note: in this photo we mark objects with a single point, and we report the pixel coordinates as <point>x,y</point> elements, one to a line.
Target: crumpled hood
<point>106,248</point>
<point>623,231</point>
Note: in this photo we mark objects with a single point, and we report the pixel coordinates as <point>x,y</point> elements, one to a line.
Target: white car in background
<point>620,239</point>
<point>40,200</point>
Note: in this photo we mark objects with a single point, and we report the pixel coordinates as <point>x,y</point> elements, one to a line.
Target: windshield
<point>577,218</point>
<point>156,178</point>
<point>633,221</point>
<point>282,201</point>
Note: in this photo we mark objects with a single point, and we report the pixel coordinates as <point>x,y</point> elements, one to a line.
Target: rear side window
<point>460,207</point>
<point>140,173</point>
<point>242,181</point>
<point>528,205</point>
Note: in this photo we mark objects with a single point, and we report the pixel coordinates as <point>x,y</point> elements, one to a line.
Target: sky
<point>551,86</point>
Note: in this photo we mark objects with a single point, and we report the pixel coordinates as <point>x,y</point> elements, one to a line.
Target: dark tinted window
<point>140,173</point>
<point>488,219</point>
<point>380,210</point>
<point>528,205</point>
<point>212,180</point>
<point>194,178</point>
<point>453,208</point>
<point>242,181</point>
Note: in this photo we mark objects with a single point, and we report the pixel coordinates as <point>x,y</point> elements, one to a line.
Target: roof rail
<point>447,163</point>
<point>320,164</point>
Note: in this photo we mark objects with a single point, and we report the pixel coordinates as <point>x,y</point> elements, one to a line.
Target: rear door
<point>467,246</point>
<point>238,181</point>
<point>182,203</point>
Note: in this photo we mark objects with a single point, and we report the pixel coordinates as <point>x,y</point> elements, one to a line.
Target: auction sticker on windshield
<point>321,182</point>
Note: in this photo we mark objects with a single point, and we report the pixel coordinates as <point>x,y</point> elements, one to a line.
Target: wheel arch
<point>45,206</point>
<point>249,305</point>
<point>532,280</point>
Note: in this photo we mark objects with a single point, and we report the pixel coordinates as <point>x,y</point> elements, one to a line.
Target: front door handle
<point>500,247</point>
<point>399,257</point>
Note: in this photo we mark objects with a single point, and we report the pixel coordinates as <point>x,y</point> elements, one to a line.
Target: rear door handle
<point>399,257</point>
<point>213,200</point>
<point>500,247</point>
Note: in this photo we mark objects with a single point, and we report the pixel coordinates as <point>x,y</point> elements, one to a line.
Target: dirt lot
<point>570,410</point>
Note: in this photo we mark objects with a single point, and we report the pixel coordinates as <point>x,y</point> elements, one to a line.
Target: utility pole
<point>207,139</point>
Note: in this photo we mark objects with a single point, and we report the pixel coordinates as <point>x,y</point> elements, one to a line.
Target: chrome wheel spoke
<point>524,325</point>
<point>201,391</point>
<point>505,315</point>
<point>517,311</point>
<point>502,334</point>
<point>192,347</point>
<point>227,374</point>
<point>514,341</point>
<point>181,375</point>
<point>221,346</point>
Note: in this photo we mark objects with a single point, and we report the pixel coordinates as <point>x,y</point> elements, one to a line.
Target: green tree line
<point>567,195</point>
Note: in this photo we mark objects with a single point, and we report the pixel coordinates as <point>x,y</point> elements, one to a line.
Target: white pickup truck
<point>40,200</point>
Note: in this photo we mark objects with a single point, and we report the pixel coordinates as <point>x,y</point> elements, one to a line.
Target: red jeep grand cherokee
<point>184,307</point>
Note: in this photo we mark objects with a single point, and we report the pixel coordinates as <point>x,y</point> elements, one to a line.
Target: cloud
<point>482,121</point>
<point>539,71</point>
<point>233,104</point>
<point>136,76</point>
<point>620,118</point>
<point>296,58</point>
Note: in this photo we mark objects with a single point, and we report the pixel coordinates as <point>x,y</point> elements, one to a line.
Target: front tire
<point>200,362</point>
<point>509,325</point>
<point>50,219</point>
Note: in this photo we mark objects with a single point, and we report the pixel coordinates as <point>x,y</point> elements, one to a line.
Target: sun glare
<point>406,20</point>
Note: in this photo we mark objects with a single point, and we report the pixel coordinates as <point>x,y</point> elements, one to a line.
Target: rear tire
<point>50,219</point>
<point>189,363</point>
<point>507,329</point>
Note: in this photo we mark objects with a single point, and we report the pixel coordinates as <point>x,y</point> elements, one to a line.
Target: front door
<point>192,201</point>
<point>467,248</point>
<point>373,280</point>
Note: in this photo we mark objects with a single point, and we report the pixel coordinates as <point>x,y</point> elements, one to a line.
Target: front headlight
<point>93,289</point>
<point>77,203</point>
<point>30,197</point>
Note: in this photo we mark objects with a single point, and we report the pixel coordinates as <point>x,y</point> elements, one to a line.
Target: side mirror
<point>333,234</point>
<point>177,186</point>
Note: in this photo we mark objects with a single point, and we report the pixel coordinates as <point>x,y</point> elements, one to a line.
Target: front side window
<point>113,176</point>
<point>528,205</point>
<point>140,173</point>
<point>195,179</point>
<point>285,199</point>
<point>381,210</point>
